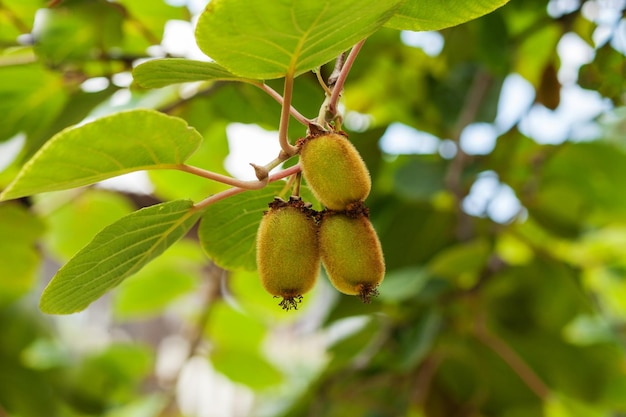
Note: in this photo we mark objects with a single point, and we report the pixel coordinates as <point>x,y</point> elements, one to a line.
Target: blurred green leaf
<point>606,74</point>
<point>112,374</point>
<point>173,274</point>
<point>402,284</point>
<point>256,41</point>
<point>31,97</point>
<point>439,14</point>
<point>19,258</point>
<point>232,329</point>
<point>110,146</point>
<point>72,225</point>
<point>462,262</point>
<point>246,368</point>
<point>228,228</point>
<point>562,406</point>
<point>117,252</point>
<point>77,33</point>
<point>420,178</point>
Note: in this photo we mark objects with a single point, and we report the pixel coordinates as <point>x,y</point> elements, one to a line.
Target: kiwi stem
<point>322,83</point>
<point>283,138</point>
<point>274,94</point>
<point>343,75</point>
<point>296,186</point>
<point>236,190</point>
<point>248,185</point>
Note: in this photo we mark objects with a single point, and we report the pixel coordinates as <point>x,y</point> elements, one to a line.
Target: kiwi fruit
<point>351,253</point>
<point>334,170</point>
<point>288,254</point>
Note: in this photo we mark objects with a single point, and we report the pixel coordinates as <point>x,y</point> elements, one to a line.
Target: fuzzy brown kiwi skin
<point>288,256</point>
<point>351,252</point>
<point>334,170</point>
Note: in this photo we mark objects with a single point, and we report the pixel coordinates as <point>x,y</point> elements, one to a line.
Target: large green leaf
<point>161,72</point>
<point>261,40</point>
<point>228,228</point>
<point>117,252</point>
<point>113,145</point>
<point>440,14</point>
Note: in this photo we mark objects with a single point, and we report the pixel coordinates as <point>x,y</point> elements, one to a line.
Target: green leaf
<point>403,284</point>
<point>19,260</point>
<point>75,222</point>
<point>462,262</point>
<point>161,72</point>
<point>117,252</point>
<point>228,228</point>
<point>113,145</point>
<point>439,14</point>
<point>253,39</point>
<point>246,368</point>
<point>31,97</point>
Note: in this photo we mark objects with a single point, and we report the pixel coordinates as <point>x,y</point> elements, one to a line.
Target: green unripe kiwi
<point>288,255</point>
<point>334,171</point>
<point>351,254</point>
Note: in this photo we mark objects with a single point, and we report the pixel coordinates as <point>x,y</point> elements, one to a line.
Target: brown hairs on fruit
<point>288,256</point>
<point>334,170</point>
<point>351,253</point>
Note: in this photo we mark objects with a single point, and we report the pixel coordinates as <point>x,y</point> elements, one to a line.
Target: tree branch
<point>511,358</point>
<point>236,190</point>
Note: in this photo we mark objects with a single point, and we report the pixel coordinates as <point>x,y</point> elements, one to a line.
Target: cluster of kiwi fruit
<point>293,239</point>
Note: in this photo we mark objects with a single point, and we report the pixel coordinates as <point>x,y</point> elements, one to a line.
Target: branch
<point>511,358</point>
<point>248,185</point>
<point>295,113</point>
<point>214,275</point>
<point>473,101</point>
<point>236,190</point>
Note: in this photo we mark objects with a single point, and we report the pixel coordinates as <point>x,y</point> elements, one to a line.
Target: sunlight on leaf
<point>254,40</point>
<point>420,15</point>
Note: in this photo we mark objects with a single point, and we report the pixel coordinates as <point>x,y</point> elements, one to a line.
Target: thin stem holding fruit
<point>248,185</point>
<point>236,190</point>
<point>283,138</point>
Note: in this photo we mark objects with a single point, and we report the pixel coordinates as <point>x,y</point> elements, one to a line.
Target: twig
<point>424,378</point>
<point>210,295</point>
<point>236,190</point>
<point>274,94</point>
<point>248,185</point>
<point>283,138</point>
<point>511,358</point>
<point>453,177</point>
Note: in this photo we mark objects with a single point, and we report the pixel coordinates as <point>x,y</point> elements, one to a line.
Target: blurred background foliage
<point>498,155</point>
